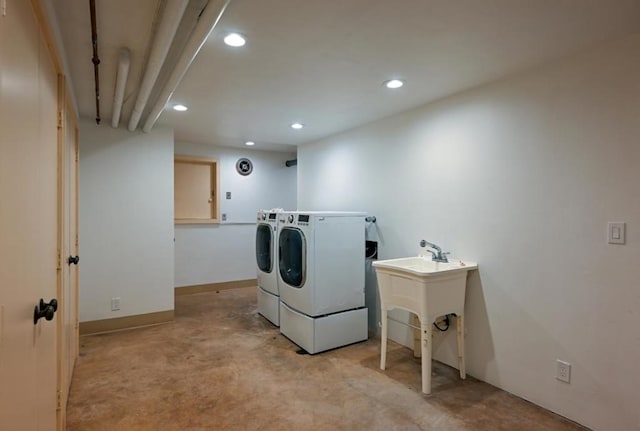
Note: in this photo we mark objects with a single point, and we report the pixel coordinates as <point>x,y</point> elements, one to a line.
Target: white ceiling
<point>322,63</point>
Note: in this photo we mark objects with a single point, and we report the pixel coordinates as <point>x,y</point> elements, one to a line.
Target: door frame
<point>68,304</point>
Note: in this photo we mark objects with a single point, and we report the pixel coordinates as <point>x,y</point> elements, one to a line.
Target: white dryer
<point>321,270</point>
<point>267,263</point>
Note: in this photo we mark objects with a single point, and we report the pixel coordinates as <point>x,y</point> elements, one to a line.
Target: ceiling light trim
<point>393,84</point>
<point>235,40</point>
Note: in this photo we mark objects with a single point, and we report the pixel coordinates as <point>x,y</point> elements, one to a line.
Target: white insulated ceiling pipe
<point>206,23</point>
<point>166,31</point>
<point>124,62</point>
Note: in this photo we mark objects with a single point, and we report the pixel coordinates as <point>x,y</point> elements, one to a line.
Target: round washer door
<point>293,256</point>
<point>264,241</point>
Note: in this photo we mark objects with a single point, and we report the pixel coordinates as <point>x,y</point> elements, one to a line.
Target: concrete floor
<point>220,366</point>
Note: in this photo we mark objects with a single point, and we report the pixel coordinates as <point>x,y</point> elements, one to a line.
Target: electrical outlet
<point>563,371</point>
<point>228,195</point>
<point>115,304</point>
<point>224,217</point>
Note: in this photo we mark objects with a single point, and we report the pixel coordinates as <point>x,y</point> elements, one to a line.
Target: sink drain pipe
<point>446,320</point>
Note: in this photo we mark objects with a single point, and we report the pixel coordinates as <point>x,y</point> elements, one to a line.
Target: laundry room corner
<point>221,253</point>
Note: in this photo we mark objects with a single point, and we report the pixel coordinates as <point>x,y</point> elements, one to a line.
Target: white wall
<point>126,221</point>
<point>226,252</point>
<point>522,176</point>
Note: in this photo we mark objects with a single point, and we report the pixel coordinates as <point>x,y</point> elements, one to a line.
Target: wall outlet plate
<point>563,371</point>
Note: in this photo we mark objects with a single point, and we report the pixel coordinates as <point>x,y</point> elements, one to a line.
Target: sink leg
<point>426,333</point>
<point>460,332</point>
<point>383,339</point>
<point>417,349</point>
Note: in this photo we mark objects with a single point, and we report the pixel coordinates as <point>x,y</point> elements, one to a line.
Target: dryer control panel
<point>303,220</point>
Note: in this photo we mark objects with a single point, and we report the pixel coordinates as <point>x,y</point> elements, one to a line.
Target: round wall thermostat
<point>244,166</point>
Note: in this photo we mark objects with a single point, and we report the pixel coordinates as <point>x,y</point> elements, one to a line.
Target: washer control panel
<point>270,217</point>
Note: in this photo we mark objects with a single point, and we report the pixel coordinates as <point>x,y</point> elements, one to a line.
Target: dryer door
<point>264,245</point>
<point>293,256</point>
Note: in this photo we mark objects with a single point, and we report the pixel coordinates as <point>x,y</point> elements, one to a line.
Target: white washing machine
<point>267,263</point>
<point>321,271</point>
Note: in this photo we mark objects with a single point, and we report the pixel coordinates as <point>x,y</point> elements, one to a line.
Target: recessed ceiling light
<point>249,143</point>
<point>393,83</point>
<point>297,126</point>
<point>234,39</point>
<point>180,108</point>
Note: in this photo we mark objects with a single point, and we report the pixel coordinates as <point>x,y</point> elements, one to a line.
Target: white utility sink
<point>430,290</point>
<point>424,267</point>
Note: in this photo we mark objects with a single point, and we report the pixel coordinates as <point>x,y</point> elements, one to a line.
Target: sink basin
<point>424,287</point>
<point>428,289</point>
<point>423,267</point>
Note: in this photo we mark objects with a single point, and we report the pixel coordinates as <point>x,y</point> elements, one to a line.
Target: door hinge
<point>59,261</point>
<point>60,119</point>
<point>59,401</point>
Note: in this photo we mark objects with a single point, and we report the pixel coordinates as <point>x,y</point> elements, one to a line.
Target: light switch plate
<point>228,194</point>
<point>115,304</point>
<point>616,232</point>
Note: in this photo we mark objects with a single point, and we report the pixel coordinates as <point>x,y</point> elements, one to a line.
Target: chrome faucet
<point>438,255</point>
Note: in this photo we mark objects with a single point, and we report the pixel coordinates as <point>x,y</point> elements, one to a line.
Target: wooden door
<point>28,221</point>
